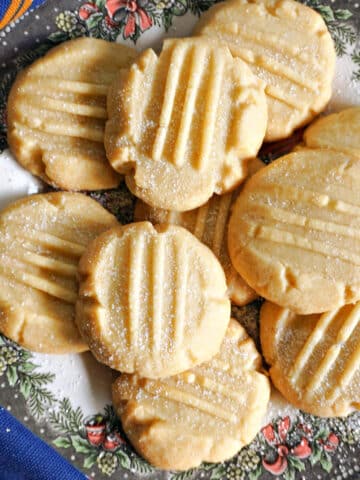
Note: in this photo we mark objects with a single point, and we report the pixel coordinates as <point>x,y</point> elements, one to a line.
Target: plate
<point>66,399</point>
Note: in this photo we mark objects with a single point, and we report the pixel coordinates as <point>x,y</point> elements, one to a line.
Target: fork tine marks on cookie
<point>297,63</point>
<point>351,368</point>
<point>168,392</point>
<point>171,86</point>
<point>331,357</point>
<point>196,72</point>
<point>158,278</point>
<point>222,218</point>
<point>209,224</point>
<point>315,359</point>
<point>212,406</point>
<point>68,105</point>
<point>310,344</point>
<point>136,273</point>
<point>216,70</point>
<point>42,238</point>
<point>158,328</point>
<point>181,294</point>
<point>278,216</point>
<point>193,89</point>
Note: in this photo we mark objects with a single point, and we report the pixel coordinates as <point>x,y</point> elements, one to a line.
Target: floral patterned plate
<point>66,399</point>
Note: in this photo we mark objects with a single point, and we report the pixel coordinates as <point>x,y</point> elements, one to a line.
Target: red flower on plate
<point>87,9</point>
<point>283,427</point>
<point>280,465</point>
<point>131,12</point>
<point>276,438</point>
<point>331,443</point>
<point>303,450</point>
<point>269,434</point>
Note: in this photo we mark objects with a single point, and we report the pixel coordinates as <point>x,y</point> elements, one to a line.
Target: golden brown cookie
<point>184,125</point>
<point>288,46</point>
<point>57,113</point>
<point>152,300</point>
<point>41,240</point>
<point>205,414</point>
<point>339,131</point>
<point>293,233</point>
<point>314,359</point>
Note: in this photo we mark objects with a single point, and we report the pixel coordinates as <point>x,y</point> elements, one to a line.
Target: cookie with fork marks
<point>314,359</point>
<point>288,46</point>
<point>42,238</point>
<point>294,231</point>
<point>204,414</point>
<point>152,300</point>
<point>184,125</point>
<point>57,113</point>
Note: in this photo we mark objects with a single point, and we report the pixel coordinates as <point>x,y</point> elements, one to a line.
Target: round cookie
<point>205,414</point>
<point>293,233</point>
<point>41,240</point>
<point>338,131</point>
<point>152,300</point>
<point>57,113</point>
<point>184,125</point>
<point>314,359</point>
<point>288,46</point>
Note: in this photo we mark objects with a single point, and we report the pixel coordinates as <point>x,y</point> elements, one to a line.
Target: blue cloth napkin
<point>10,10</point>
<point>23,456</point>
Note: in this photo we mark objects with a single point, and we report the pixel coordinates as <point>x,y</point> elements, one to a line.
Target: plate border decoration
<point>287,447</point>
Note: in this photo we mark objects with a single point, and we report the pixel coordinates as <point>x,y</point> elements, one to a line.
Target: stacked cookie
<point>161,314</point>
<point>152,303</point>
<point>151,299</point>
<point>285,44</point>
<point>293,236</point>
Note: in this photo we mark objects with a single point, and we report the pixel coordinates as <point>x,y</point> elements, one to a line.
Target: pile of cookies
<point>151,299</point>
<point>293,236</point>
